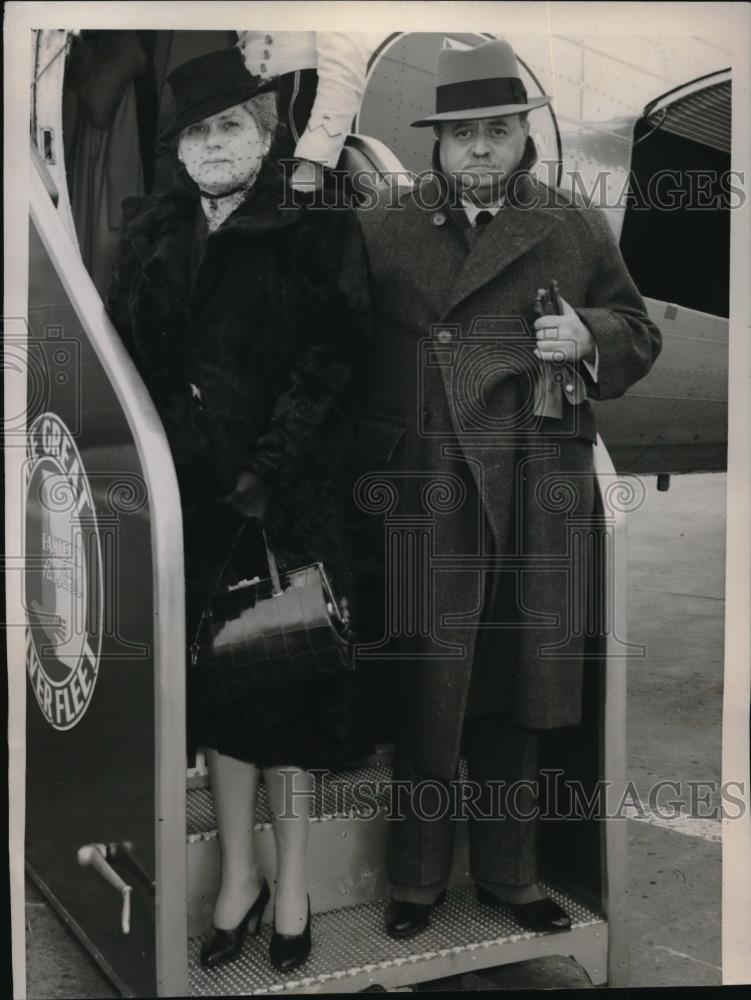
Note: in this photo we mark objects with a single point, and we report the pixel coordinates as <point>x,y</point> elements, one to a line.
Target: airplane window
<point>676,229</point>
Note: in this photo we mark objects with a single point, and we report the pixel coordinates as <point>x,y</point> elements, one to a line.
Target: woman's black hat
<point>209,84</point>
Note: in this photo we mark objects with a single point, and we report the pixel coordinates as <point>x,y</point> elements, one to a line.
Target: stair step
<point>333,799</point>
<point>351,950</point>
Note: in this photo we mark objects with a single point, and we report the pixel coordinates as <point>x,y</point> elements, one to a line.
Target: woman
<point>246,321</point>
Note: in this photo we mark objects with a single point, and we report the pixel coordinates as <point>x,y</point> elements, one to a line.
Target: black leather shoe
<point>404,919</point>
<point>541,915</point>
<point>287,951</point>
<point>224,945</point>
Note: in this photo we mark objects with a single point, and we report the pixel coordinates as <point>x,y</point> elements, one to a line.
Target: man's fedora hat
<point>479,82</point>
<point>209,84</point>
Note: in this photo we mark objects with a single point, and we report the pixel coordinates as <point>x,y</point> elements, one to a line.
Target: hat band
<point>489,93</point>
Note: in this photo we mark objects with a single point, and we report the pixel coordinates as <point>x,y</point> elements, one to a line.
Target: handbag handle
<point>207,609</point>
<point>276,585</point>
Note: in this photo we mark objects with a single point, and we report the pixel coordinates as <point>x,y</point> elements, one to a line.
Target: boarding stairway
<point>348,890</point>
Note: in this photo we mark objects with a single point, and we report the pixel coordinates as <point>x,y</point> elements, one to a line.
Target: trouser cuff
<point>425,894</point>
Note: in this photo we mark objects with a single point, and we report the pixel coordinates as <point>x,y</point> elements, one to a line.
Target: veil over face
<point>223,152</point>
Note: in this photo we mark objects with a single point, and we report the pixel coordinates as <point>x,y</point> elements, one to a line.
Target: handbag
<point>266,635</point>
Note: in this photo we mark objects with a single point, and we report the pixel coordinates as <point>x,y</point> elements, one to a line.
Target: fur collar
<point>148,221</point>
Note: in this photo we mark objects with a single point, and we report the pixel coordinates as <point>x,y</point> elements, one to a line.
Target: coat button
<point>569,387</point>
<point>445,336</point>
<point>262,67</point>
<point>439,218</point>
<point>266,54</point>
<point>426,414</point>
<point>269,39</point>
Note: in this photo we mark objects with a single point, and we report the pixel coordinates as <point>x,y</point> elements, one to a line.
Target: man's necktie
<point>483,218</point>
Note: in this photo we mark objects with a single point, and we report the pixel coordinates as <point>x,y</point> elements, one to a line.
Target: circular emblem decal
<point>63,575</point>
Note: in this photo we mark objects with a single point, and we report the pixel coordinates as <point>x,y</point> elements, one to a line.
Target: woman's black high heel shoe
<point>222,946</point>
<point>287,951</point>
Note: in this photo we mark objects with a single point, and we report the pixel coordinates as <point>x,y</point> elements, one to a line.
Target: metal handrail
<point>167,568</point>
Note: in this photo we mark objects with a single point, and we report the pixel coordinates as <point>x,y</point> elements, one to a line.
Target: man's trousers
<point>497,799</point>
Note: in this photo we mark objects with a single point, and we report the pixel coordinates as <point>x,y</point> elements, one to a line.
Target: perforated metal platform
<point>332,799</point>
<point>464,935</point>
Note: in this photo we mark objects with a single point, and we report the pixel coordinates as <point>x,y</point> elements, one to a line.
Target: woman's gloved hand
<point>250,496</point>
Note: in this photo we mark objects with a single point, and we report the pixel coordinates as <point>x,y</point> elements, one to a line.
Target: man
<point>478,413</point>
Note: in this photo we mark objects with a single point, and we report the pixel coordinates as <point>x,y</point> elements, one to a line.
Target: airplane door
<point>103,599</point>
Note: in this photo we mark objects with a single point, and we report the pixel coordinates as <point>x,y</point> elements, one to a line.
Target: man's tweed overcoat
<point>453,338</point>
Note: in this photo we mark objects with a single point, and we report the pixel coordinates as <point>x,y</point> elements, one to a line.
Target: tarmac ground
<point>676,611</point>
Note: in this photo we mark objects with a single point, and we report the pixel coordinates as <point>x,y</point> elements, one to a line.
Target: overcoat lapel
<point>512,233</point>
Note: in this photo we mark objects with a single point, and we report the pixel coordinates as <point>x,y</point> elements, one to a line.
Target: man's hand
<point>564,339</point>
<point>250,496</point>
